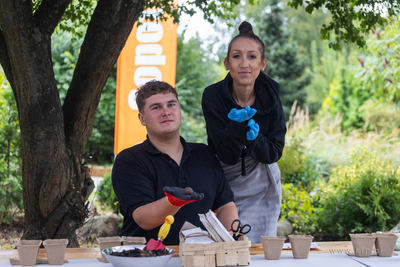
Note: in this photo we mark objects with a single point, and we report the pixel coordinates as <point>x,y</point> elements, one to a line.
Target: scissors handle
<point>237,228</point>
<point>245,229</point>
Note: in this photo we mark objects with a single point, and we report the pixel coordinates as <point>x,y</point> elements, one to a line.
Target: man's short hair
<point>152,88</point>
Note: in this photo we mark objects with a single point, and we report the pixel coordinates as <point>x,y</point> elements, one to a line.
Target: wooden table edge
<point>255,249</point>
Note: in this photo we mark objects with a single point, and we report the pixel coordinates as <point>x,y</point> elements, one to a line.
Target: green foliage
<point>284,65</point>
<point>192,129</point>
<point>211,9</point>
<point>194,71</point>
<point>360,79</point>
<point>299,167</point>
<point>379,68</point>
<point>79,12</point>
<point>298,208</point>
<point>76,17</point>
<point>346,98</point>
<point>325,67</point>
<point>65,53</point>
<point>305,31</point>
<point>10,153</point>
<point>351,20</point>
<point>382,118</point>
<point>106,195</point>
<point>362,196</point>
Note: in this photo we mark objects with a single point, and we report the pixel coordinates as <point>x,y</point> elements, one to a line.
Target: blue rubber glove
<point>250,112</point>
<point>254,128</point>
<point>241,115</point>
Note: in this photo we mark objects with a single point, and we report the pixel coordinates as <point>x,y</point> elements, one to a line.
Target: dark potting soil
<point>140,253</point>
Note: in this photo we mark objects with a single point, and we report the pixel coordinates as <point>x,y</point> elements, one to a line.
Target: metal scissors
<point>239,229</point>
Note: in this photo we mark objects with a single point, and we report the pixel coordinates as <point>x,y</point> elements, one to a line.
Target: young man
<point>141,172</point>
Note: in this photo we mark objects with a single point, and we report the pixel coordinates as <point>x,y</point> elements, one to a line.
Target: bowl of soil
<point>135,256</point>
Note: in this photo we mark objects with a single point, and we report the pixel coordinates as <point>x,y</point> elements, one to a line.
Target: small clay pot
<point>300,245</point>
<point>133,240</point>
<point>272,246</point>
<point>385,243</point>
<point>106,242</point>
<point>28,251</point>
<point>55,250</point>
<point>362,244</point>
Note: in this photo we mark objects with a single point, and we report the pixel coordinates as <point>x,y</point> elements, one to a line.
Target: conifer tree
<point>284,65</point>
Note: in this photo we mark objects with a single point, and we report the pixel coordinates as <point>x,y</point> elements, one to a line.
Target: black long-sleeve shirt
<point>228,139</point>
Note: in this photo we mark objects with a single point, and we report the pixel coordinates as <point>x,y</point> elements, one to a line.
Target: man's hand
<point>179,197</point>
<point>241,115</point>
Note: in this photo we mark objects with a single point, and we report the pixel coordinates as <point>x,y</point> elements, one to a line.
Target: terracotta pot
<point>28,251</point>
<point>106,242</point>
<point>300,245</point>
<point>362,244</point>
<point>272,246</point>
<point>385,243</point>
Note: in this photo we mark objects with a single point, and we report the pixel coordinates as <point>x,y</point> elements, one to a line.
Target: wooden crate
<point>215,254</point>
<point>233,253</point>
<point>196,255</point>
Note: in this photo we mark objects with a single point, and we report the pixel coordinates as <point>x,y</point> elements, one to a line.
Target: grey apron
<point>257,196</point>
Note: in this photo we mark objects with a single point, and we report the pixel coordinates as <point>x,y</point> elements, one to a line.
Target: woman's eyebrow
<point>251,51</point>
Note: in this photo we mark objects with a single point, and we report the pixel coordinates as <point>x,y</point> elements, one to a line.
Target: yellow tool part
<point>164,229</point>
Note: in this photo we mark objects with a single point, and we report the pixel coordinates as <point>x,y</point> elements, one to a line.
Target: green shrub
<point>298,208</point>
<point>363,196</point>
<point>298,165</point>
<point>10,155</point>
<point>346,96</point>
<point>382,118</point>
<point>106,194</point>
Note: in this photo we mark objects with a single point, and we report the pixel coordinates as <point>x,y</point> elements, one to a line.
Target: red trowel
<point>162,234</point>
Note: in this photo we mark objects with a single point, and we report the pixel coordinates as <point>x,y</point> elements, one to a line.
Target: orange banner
<point>149,53</point>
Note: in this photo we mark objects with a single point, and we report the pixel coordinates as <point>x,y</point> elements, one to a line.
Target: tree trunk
<point>56,182</point>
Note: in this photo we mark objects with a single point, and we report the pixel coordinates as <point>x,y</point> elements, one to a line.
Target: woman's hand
<point>241,115</point>
<point>253,130</point>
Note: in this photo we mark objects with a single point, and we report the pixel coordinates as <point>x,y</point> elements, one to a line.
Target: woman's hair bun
<point>245,27</point>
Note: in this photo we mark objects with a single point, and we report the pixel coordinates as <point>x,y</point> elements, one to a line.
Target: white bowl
<point>121,261</point>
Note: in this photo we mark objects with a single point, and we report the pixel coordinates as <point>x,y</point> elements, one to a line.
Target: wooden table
<point>324,247</point>
<point>255,249</point>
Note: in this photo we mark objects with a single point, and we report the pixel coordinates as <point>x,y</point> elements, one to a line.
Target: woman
<point>246,129</point>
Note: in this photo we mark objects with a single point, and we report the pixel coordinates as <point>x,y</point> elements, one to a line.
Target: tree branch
<point>107,33</point>
<point>10,32</point>
<point>49,14</point>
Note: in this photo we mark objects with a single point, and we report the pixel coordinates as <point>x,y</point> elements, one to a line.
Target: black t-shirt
<point>140,173</point>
